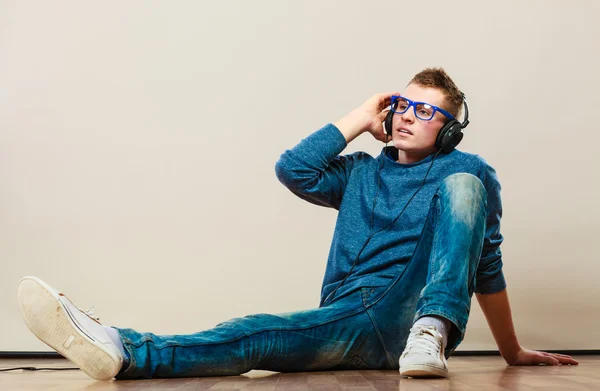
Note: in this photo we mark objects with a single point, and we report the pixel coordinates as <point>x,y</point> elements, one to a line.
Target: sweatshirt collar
<point>391,158</point>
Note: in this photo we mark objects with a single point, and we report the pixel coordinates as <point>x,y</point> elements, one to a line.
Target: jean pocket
<point>370,294</point>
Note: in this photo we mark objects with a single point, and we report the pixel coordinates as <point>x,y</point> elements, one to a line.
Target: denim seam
<point>438,212</point>
<point>380,338</point>
<point>170,345</point>
<point>398,278</point>
<point>313,337</point>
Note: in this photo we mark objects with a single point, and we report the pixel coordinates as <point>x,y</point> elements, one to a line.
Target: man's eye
<point>402,107</point>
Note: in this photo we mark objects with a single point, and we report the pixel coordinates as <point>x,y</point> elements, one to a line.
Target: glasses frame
<point>414,104</point>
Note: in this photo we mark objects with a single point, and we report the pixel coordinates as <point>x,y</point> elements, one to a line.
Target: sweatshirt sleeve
<point>313,169</point>
<point>490,278</point>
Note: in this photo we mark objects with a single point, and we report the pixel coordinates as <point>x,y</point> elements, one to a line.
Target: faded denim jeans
<point>367,329</point>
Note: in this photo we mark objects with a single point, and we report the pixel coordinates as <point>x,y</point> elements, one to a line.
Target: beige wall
<point>138,143</point>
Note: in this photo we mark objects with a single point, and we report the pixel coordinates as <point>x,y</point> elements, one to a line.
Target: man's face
<point>420,143</point>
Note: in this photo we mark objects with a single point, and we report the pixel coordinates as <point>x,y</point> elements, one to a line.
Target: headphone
<point>450,134</point>
<point>448,138</point>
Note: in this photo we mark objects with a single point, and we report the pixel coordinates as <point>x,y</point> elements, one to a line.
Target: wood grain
<point>466,373</point>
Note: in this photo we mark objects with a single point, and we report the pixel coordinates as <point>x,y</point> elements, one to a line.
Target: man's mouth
<point>401,130</point>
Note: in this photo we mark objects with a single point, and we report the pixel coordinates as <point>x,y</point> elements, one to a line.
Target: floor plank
<point>466,373</point>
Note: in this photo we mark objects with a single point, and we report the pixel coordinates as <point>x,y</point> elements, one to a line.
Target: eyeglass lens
<point>423,110</point>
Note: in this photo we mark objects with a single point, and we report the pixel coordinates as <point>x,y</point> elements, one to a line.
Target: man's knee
<point>463,181</point>
<point>465,194</point>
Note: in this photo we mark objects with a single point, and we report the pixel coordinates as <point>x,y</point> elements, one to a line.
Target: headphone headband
<point>466,117</point>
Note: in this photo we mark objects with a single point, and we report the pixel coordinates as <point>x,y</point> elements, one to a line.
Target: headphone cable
<point>37,369</point>
<point>372,216</point>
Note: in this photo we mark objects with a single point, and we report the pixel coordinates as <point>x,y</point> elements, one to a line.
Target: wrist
<point>512,355</point>
<point>351,125</point>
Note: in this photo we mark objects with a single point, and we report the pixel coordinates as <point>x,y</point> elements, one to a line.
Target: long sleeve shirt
<point>315,171</point>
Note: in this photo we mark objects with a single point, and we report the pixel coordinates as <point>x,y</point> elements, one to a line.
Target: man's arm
<point>314,170</point>
<point>496,308</point>
<point>368,117</point>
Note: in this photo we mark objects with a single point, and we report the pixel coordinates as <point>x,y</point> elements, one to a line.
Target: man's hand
<point>533,357</point>
<point>496,309</point>
<point>368,117</point>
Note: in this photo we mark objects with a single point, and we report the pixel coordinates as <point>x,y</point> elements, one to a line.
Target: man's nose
<point>408,115</point>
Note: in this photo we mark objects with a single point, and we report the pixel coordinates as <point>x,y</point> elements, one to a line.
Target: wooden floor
<point>466,373</point>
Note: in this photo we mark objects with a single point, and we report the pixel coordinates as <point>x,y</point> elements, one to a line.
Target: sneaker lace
<point>423,340</point>
<point>90,312</point>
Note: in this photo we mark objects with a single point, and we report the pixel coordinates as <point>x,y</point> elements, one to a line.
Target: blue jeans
<point>366,329</point>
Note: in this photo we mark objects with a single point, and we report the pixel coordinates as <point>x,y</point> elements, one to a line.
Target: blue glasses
<point>423,110</point>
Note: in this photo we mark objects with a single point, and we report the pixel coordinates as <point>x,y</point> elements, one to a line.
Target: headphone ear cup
<point>387,125</point>
<point>454,140</point>
<point>449,136</point>
<point>440,136</point>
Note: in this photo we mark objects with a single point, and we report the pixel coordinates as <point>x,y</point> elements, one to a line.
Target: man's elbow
<point>283,173</point>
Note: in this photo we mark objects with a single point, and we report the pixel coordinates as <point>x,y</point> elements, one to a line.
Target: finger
<point>558,355</point>
<point>383,114</point>
<point>549,360</point>
<point>561,355</point>
<point>380,134</point>
<point>388,95</point>
<point>385,99</point>
<point>383,137</point>
<point>564,359</point>
<point>569,361</point>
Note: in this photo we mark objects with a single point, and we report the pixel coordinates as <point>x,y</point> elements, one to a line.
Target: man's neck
<point>412,157</point>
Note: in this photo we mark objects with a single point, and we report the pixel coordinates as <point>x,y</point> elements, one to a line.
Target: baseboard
<point>497,353</point>
<point>30,355</point>
<point>456,353</point>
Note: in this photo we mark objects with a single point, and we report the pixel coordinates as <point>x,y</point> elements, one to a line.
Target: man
<point>413,241</point>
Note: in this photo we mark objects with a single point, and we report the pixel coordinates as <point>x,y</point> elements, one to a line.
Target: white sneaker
<point>424,353</point>
<point>73,333</point>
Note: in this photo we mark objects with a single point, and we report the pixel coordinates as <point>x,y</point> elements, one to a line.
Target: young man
<point>418,231</point>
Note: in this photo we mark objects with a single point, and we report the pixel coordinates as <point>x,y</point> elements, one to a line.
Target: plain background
<point>138,141</point>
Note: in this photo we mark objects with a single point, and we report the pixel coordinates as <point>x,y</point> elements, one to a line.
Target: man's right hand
<point>368,117</point>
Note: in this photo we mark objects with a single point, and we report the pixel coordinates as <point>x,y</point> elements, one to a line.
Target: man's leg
<point>337,336</point>
<point>439,279</point>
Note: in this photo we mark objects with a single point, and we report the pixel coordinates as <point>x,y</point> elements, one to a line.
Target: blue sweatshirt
<point>315,171</point>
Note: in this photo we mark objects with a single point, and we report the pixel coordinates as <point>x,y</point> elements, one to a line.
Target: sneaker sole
<point>422,371</point>
<point>50,322</point>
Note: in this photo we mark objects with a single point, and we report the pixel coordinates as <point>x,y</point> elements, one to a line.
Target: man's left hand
<point>534,357</point>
